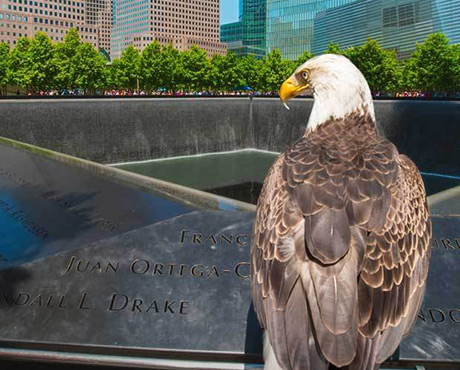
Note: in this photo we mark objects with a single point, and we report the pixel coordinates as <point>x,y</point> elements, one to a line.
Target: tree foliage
<point>456,68</point>
<point>249,70</point>
<point>225,73</point>
<point>195,69</point>
<point>433,66</point>
<point>333,48</point>
<point>88,68</point>
<point>125,71</point>
<point>171,69</point>
<point>21,63</point>
<point>4,60</point>
<point>275,70</point>
<point>304,57</point>
<point>379,66</point>
<point>43,66</point>
<point>151,66</point>
<point>38,64</point>
<point>64,57</point>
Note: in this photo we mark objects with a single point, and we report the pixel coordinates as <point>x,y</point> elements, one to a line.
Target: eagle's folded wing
<point>340,252</point>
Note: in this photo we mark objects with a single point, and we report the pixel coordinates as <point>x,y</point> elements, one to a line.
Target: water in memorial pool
<point>238,174</point>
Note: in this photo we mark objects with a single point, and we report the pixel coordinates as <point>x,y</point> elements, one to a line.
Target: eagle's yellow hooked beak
<point>290,89</point>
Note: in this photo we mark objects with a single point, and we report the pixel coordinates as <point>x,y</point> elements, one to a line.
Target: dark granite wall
<point>120,130</point>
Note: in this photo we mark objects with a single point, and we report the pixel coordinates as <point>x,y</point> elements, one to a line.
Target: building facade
<point>19,18</point>
<point>92,10</point>
<point>99,15</point>
<point>294,26</point>
<point>182,22</point>
<point>247,36</point>
<point>104,27</point>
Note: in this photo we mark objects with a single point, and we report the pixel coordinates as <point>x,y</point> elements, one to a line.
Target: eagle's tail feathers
<point>269,355</point>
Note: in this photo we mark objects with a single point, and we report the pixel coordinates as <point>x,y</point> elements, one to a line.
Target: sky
<point>228,11</point>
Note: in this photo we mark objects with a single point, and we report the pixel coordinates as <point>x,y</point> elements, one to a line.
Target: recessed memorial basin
<point>238,174</point>
<point>101,266</point>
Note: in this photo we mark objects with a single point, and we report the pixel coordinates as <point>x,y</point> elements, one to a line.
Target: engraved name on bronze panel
<point>446,243</point>
<point>116,302</point>
<point>94,266</point>
<point>120,302</point>
<point>28,299</point>
<point>439,315</point>
<point>214,239</point>
<point>146,267</point>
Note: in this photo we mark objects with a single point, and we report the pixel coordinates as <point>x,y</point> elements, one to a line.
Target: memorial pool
<point>238,174</point>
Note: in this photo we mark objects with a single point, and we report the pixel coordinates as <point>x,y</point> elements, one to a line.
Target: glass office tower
<point>294,26</point>
<point>130,17</point>
<point>290,24</point>
<point>247,36</point>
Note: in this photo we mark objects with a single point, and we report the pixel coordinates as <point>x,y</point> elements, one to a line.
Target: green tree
<point>379,67</point>
<point>150,66</point>
<point>275,70</point>
<point>303,58</point>
<point>226,73</point>
<point>216,78</point>
<point>126,69</point>
<point>196,68</point>
<point>88,68</point>
<point>456,57</point>
<point>171,70</point>
<point>333,48</point>
<point>249,69</point>
<point>4,66</point>
<point>409,74</point>
<point>433,64</point>
<point>64,55</point>
<point>112,75</point>
<point>21,63</point>
<point>43,68</point>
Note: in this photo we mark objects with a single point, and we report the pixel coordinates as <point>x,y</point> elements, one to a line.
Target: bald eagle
<point>340,251</point>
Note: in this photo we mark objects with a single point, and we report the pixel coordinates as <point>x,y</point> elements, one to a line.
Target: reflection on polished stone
<point>48,207</point>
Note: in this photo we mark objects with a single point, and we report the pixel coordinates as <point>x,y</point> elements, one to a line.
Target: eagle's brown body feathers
<point>341,248</point>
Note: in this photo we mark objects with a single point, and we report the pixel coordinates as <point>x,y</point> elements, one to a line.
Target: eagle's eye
<point>304,75</point>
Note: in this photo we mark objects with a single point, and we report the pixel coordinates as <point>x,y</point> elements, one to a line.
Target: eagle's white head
<point>338,87</point>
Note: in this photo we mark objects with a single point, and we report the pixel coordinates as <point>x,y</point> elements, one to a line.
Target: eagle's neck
<point>329,105</point>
